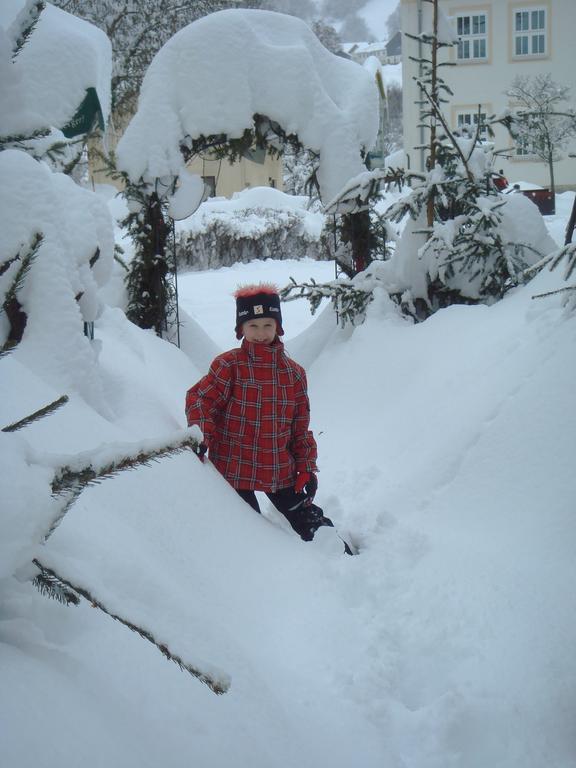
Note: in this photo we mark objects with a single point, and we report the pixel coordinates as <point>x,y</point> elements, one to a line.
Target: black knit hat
<point>256,301</point>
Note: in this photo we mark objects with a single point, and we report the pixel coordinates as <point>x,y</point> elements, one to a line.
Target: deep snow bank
<point>447,447</point>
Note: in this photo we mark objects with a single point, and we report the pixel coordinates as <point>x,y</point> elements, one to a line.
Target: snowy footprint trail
<point>454,456</point>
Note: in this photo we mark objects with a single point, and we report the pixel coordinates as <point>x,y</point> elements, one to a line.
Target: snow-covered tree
<point>541,123</point>
<point>69,264</point>
<point>55,254</point>
<point>461,246</point>
<point>44,112</point>
<point>211,98</point>
<point>328,36</point>
<point>137,30</point>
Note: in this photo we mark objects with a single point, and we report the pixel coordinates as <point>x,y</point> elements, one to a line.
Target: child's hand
<point>200,451</point>
<point>307,483</point>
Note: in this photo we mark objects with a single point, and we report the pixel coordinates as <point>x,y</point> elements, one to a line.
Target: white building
<point>498,39</point>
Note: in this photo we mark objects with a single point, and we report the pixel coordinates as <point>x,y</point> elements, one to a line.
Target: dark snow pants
<point>305,518</point>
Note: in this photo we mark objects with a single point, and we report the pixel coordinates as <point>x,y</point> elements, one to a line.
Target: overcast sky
<point>375,13</point>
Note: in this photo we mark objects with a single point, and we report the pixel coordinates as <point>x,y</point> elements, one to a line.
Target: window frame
<point>472,38</point>
<point>530,33</point>
<point>525,152</point>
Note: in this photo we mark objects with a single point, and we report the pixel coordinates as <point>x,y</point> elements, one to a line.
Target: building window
<point>473,37</point>
<point>467,122</point>
<point>526,148</point>
<point>530,32</point>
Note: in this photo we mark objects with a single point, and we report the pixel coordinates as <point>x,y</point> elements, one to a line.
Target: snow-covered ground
<point>446,448</point>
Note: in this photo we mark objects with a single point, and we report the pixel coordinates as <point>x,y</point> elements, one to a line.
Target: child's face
<point>260,331</point>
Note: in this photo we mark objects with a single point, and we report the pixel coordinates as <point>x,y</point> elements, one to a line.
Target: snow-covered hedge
<point>259,223</point>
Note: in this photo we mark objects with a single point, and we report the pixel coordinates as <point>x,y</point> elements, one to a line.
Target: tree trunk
<point>434,94</point>
<point>571,225</point>
<point>552,181</point>
<point>356,230</point>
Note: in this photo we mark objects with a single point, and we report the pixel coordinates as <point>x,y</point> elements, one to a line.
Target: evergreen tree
<point>46,144</point>
<point>465,256</point>
<point>67,485</point>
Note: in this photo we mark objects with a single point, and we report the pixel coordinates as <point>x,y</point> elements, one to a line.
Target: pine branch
<point>217,685</point>
<point>26,263</point>
<point>69,478</point>
<point>11,306</point>
<point>49,584</point>
<point>37,415</point>
<point>29,18</point>
<point>349,300</point>
<point>69,482</point>
<point>553,293</point>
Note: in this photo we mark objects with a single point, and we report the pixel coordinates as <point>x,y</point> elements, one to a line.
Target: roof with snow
<point>216,73</point>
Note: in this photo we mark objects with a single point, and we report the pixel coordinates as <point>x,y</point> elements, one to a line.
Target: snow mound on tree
<point>46,83</point>
<point>74,259</point>
<point>215,74</point>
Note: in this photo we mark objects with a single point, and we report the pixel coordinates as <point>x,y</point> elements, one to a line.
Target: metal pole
<point>176,283</point>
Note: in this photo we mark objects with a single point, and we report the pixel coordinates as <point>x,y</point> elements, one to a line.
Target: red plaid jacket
<point>253,409</point>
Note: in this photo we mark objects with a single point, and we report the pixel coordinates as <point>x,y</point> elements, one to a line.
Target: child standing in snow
<point>254,413</point>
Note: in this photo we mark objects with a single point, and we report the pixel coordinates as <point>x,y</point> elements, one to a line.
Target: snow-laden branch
<point>90,468</point>
<point>219,682</point>
<point>37,415</point>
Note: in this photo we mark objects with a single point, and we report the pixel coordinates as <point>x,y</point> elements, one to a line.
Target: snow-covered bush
<point>239,78</point>
<point>259,223</point>
<point>479,245</point>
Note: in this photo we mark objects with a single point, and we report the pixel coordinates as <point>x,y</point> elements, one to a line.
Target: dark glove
<point>307,483</point>
<point>200,451</point>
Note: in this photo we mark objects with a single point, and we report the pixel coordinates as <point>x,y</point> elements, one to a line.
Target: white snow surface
<point>446,450</point>
<point>219,71</point>
<point>46,83</point>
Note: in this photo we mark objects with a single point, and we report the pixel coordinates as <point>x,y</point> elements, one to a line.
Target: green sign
<point>88,114</point>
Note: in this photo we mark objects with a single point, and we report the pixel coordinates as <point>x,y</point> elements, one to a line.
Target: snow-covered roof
<point>364,47</point>
<point>216,73</point>
<point>47,81</point>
